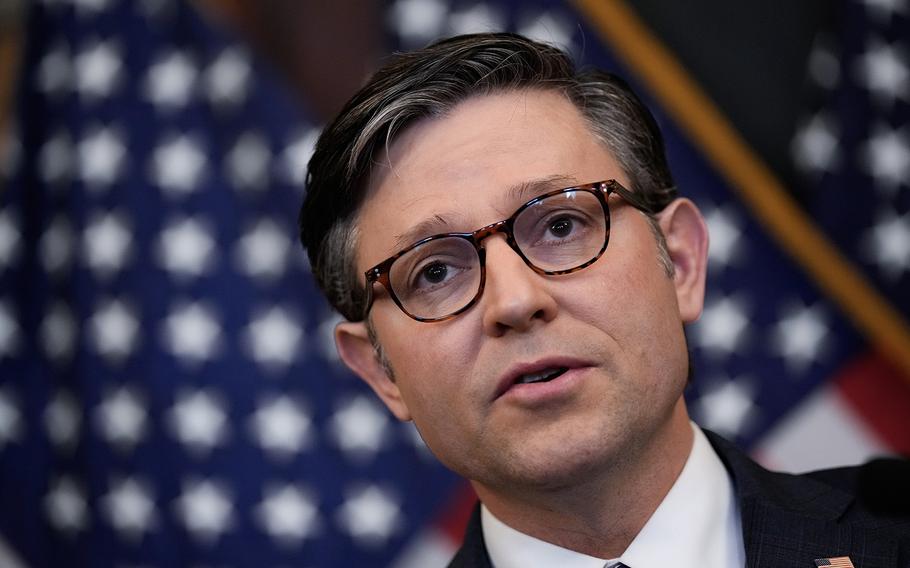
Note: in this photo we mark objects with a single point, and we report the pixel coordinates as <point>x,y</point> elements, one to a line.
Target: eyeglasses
<point>558,232</point>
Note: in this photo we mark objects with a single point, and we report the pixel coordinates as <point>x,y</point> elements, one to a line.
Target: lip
<point>507,382</point>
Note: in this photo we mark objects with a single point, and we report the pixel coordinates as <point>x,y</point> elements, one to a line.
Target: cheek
<point>634,301</point>
<point>436,396</point>
<point>428,365</point>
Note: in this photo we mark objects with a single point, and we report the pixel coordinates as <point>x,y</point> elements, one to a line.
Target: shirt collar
<point>696,525</point>
<point>509,548</point>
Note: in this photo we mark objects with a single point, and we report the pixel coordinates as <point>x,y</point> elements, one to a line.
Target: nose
<point>515,298</point>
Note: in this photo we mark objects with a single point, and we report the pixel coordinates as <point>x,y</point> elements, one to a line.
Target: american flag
<point>839,562</point>
<point>169,393</point>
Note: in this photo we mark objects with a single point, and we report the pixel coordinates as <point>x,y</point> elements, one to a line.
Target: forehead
<point>461,169</point>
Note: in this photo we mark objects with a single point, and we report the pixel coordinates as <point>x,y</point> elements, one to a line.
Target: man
<point>504,238</point>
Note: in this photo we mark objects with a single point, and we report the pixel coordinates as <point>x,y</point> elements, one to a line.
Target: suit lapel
<point>473,551</point>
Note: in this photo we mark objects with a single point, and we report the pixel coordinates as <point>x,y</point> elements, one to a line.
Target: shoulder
<point>883,484</point>
<point>880,488</point>
<point>874,496</point>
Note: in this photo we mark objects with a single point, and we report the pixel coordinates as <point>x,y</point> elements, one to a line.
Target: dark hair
<point>428,83</point>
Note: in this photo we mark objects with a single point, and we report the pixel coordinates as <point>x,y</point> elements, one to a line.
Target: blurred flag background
<point>169,391</point>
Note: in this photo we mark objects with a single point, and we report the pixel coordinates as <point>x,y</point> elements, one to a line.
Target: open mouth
<point>542,377</point>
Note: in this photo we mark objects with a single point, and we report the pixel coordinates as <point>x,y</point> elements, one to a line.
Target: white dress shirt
<point>697,525</point>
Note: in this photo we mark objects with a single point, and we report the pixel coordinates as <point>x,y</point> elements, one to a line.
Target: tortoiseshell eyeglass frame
<point>600,189</point>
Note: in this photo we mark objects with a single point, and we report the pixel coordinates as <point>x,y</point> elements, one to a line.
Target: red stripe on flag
<point>456,513</point>
<point>839,562</point>
<point>876,391</point>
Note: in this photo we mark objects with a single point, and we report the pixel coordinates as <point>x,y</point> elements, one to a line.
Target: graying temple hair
<point>430,83</point>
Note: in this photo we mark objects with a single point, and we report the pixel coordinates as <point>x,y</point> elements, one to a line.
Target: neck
<point>601,515</point>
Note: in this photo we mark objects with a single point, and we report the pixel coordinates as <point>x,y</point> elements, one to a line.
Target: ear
<point>358,353</point>
<point>687,242</point>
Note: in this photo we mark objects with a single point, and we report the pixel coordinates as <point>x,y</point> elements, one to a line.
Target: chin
<point>554,467</point>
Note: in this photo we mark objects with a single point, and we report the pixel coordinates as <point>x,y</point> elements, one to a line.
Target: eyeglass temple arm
<point>633,199</point>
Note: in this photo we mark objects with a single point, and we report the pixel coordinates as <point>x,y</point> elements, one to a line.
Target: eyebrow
<point>428,227</point>
<point>527,190</point>
<point>519,192</point>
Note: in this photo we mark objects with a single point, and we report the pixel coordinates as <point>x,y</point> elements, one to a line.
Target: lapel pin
<point>838,562</point>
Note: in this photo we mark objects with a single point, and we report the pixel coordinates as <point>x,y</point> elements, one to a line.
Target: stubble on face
<point>444,370</point>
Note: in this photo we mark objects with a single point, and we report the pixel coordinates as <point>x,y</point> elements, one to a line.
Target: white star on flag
<point>63,420</point>
<point>886,9</point>
<point>98,69</point>
<point>884,72</point>
<point>227,79</point>
<point>887,157</point>
<point>102,154</point>
<point>130,508</point>
<point>475,19</point>
<point>206,510</point>
<point>58,332</point>
<point>815,147</point>
<point>199,421</point>
<point>326,337</point>
<point>186,247</point>
<point>262,251</point>
<point>86,7</point>
<point>548,28</point>
<point>121,418</point>
<point>55,159</point>
<point>55,71</point>
<point>359,428</point>
<point>114,330</point>
<point>288,514</point>
<point>170,81</point>
<point>281,426</point>
<point>799,337</point>
<point>726,407</point>
<point>722,327</point>
<point>273,338</point>
<point>178,165</point>
<point>192,332</point>
<point>824,66</point>
<point>248,162</point>
<point>107,243</point>
<point>887,244</point>
<point>297,155</point>
<point>370,514</point>
<point>418,21</point>
<point>57,245</point>
<point>66,507</point>
<point>725,233</point>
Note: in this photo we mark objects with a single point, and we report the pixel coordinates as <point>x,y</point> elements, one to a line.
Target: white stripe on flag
<point>821,432</point>
<point>429,549</point>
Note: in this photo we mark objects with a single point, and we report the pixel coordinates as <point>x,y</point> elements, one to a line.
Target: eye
<point>434,269</point>
<point>561,227</point>
<point>434,273</point>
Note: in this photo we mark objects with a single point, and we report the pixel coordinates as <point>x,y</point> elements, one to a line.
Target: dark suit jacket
<point>790,520</point>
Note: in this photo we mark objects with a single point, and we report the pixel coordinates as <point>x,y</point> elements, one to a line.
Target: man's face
<point>615,328</point>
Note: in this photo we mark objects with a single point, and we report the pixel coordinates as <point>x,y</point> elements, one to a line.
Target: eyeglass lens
<point>443,275</point>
